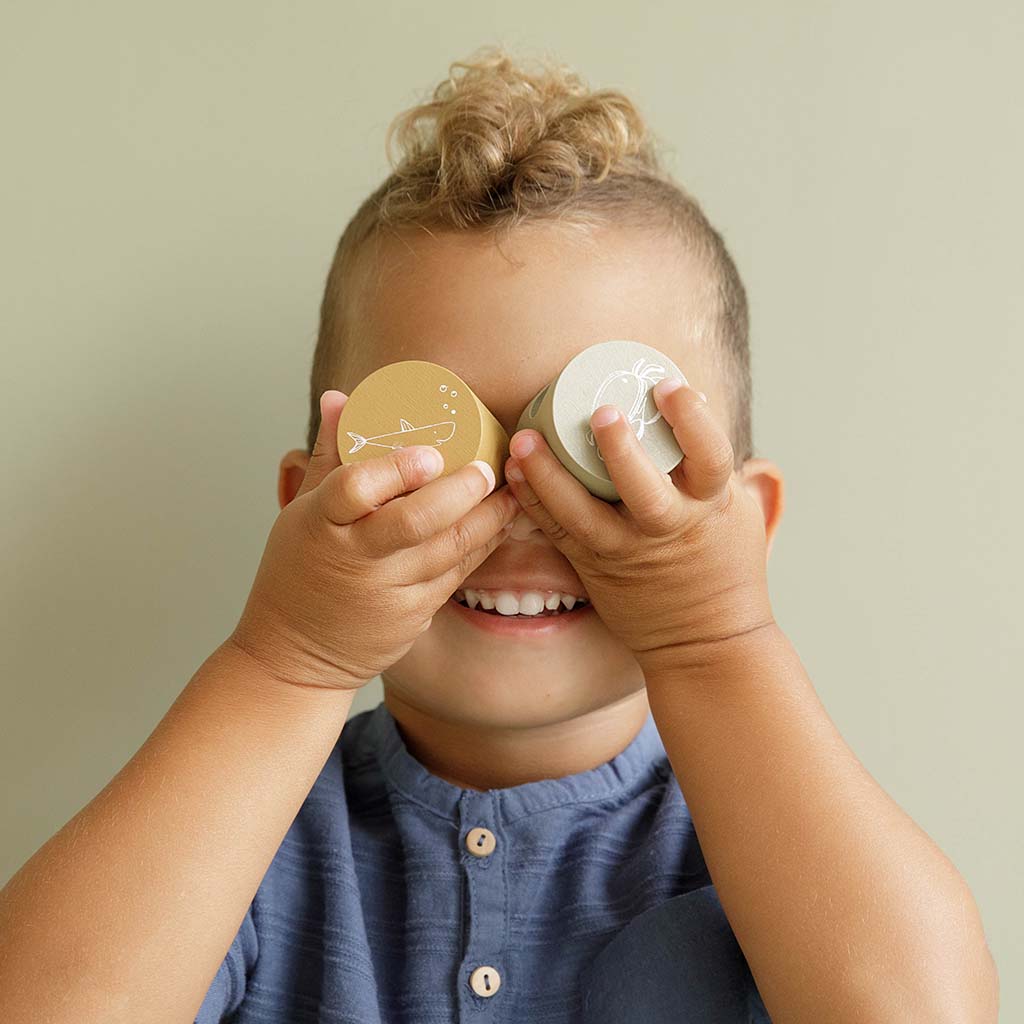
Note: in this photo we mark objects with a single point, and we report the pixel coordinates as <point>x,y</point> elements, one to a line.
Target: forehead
<point>508,323</point>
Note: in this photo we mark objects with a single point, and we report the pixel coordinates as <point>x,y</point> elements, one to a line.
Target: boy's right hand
<point>359,561</point>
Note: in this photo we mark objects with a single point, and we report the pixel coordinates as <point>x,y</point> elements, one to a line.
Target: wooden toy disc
<point>408,403</point>
<point>619,373</point>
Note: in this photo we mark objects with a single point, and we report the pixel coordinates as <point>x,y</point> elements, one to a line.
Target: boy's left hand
<point>679,565</point>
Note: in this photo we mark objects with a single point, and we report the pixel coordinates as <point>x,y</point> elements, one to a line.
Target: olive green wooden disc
<point>619,373</point>
<point>417,402</point>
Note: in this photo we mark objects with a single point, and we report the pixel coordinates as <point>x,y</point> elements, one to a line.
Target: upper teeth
<point>518,602</point>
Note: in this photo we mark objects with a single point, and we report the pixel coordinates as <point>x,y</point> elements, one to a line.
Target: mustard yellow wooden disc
<point>619,373</point>
<point>418,402</point>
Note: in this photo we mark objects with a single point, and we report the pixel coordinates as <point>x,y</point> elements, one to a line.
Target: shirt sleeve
<point>225,994</point>
<point>677,961</point>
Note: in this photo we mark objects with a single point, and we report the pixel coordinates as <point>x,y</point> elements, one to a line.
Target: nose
<point>523,527</point>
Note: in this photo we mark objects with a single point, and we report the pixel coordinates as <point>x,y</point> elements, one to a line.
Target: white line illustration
<point>432,434</point>
<point>645,375</point>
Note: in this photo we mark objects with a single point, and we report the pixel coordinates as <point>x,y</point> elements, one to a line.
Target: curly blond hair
<point>499,143</point>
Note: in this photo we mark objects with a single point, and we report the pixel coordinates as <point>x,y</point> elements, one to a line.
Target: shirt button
<point>485,981</point>
<point>480,842</point>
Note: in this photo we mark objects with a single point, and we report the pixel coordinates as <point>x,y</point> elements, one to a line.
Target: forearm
<point>126,913</point>
<point>845,909</point>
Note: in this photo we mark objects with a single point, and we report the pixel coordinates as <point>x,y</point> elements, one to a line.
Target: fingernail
<point>668,385</point>
<point>703,397</point>
<point>522,445</point>
<point>487,472</point>
<point>513,472</point>
<point>431,460</point>
<point>604,415</point>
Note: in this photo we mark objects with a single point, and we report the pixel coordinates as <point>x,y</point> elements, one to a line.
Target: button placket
<point>482,853</point>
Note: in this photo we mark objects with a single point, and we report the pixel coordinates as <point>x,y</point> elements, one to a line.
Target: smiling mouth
<point>532,604</point>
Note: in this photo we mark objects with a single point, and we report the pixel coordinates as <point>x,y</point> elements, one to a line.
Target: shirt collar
<point>640,764</point>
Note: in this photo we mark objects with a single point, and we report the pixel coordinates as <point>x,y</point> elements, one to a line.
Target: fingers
<point>554,499</point>
<point>428,512</point>
<point>325,456</point>
<point>708,454</point>
<point>653,501</point>
<point>456,548</point>
<point>448,582</point>
<point>351,492</point>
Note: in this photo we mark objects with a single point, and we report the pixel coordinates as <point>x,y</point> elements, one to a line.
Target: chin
<point>460,673</point>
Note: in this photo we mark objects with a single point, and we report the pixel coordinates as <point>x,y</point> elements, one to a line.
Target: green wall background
<point>173,182</point>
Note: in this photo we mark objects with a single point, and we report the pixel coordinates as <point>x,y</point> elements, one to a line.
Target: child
<point>505,837</point>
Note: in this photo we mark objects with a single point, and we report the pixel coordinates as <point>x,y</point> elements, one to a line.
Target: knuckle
<point>555,530</point>
<point>460,537</point>
<point>444,581</point>
<point>616,546</point>
<point>530,502</point>
<point>357,489</point>
<point>720,459</point>
<point>473,483</point>
<point>723,501</point>
<point>659,515</point>
<point>407,467</point>
<point>416,523</point>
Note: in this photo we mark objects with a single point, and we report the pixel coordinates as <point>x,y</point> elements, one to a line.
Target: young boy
<point>505,837</point>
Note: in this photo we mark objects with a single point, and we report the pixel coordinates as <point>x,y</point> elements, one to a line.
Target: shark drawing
<point>432,434</point>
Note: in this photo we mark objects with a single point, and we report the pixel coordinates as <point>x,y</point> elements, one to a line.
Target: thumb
<point>325,456</point>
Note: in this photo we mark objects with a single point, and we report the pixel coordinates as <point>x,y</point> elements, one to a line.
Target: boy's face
<point>507,330</point>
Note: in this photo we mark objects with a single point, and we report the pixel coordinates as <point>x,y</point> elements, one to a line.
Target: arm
<point>844,908</point>
<point>124,916</point>
<point>127,912</point>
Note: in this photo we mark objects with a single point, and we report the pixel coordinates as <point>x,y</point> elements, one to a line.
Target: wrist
<point>288,674</point>
<point>708,653</point>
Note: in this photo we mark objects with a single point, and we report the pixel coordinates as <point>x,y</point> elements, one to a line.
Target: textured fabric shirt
<point>397,897</point>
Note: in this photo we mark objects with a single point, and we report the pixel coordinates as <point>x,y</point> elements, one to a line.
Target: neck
<point>481,757</point>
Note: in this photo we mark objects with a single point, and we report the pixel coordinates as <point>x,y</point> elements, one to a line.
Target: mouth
<point>520,614</point>
<point>530,604</point>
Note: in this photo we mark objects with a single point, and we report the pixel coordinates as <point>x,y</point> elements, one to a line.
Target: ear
<point>290,474</point>
<point>763,480</point>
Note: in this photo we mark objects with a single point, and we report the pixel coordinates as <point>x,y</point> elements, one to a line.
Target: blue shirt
<point>397,897</point>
